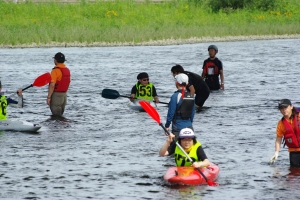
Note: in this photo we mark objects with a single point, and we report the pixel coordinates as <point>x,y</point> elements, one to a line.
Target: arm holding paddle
<point>16,104</point>
<point>39,82</point>
<point>164,149</point>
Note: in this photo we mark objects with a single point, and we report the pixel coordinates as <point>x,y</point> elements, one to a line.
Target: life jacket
<point>292,134</point>
<point>144,91</point>
<point>3,106</point>
<point>63,84</point>
<point>211,69</point>
<point>186,106</point>
<point>182,160</point>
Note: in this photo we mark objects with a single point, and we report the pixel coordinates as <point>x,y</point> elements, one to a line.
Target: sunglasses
<point>146,79</point>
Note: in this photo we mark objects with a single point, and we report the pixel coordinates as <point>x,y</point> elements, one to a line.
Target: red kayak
<point>191,176</point>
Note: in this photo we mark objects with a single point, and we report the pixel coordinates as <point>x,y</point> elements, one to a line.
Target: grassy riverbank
<point>131,23</point>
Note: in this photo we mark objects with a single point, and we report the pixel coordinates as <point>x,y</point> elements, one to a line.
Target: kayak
<point>190,175</point>
<point>9,125</point>
<point>136,106</point>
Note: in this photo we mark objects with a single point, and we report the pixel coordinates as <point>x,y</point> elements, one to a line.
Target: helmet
<point>213,47</point>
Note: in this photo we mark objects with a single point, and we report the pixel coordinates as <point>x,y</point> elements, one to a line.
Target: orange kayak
<point>190,175</point>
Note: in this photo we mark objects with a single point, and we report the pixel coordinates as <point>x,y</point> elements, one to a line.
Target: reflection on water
<point>102,149</point>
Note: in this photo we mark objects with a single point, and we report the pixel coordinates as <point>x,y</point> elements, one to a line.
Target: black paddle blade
<point>110,94</point>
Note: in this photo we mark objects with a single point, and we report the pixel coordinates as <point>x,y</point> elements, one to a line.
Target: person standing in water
<point>59,85</point>
<point>212,69</point>
<point>196,85</point>
<point>289,129</point>
<point>181,106</point>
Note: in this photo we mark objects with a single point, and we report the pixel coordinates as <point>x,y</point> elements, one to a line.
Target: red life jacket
<point>63,84</point>
<point>210,68</point>
<point>292,135</point>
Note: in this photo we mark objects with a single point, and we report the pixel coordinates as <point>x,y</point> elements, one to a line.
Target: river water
<point>105,150</point>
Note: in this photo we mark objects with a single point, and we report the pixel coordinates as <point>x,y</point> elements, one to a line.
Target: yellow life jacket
<point>3,105</point>
<point>144,91</point>
<point>182,160</point>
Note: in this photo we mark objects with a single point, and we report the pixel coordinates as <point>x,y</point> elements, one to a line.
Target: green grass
<point>128,21</point>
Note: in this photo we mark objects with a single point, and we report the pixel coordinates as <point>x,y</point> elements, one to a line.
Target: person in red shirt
<point>289,129</point>
<point>59,85</point>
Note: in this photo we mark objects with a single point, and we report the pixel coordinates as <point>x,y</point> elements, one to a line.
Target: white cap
<point>182,78</point>
<point>187,133</point>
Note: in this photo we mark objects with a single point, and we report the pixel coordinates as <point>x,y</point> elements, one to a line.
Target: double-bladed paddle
<point>38,82</point>
<point>154,114</point>
<point>114,94</point>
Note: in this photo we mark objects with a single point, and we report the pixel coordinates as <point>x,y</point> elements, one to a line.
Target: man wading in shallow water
<point>59,85</point>
<point>212,68</point>
<point>288,128</point>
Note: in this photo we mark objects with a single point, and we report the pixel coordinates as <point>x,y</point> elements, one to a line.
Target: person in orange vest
<point>59,85</point>
<point>289,129</point>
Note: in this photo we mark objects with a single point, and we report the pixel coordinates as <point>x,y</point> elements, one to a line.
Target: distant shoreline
<point>164,42</point>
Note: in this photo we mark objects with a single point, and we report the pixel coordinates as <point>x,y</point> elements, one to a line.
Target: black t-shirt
<point>133,90</point>
<point>200,152</point>
<point>198,83</point>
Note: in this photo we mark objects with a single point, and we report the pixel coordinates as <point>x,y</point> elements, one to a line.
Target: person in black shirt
<point>196,85</point>
<point>212,69</point>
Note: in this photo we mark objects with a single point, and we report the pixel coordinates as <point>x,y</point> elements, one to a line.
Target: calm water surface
<point>107,151</point>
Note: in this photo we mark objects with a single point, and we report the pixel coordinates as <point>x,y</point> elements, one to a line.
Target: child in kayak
<point>144,89</point>
<point>187,140</point>
<point>5,101</point>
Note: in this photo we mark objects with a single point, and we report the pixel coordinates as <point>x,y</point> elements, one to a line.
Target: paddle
<point>114,94</point>
<point>154,114</point>
<point>38,82</point>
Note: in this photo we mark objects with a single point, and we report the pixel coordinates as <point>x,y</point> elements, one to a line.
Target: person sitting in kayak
<point>181,106</point>
<point>5,101</point>
<point>144,89</point>
<point>187,140</point>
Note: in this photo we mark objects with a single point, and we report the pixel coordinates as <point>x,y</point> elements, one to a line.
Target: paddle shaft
<point>183,151</point>
<point>114,94</point>
<point>17,92</point>
<point>27,87</point>
<point>143,99</point>
<point>39,81</point>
